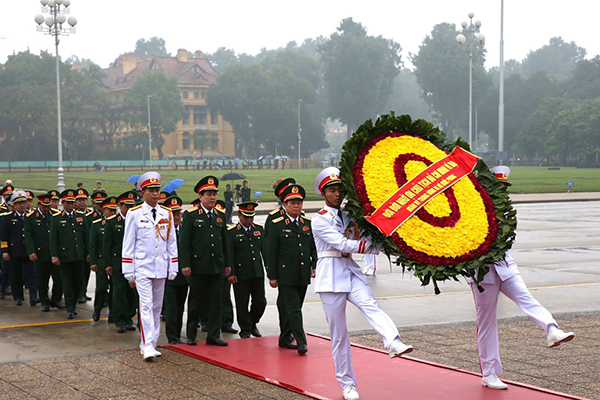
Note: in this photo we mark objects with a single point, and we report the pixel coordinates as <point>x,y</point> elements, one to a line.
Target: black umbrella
<point>233,176</point>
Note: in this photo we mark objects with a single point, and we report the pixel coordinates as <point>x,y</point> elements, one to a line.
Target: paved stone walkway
<point>572,368</point>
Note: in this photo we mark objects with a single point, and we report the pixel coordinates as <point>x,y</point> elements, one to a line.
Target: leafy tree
<point>584,84</point>
<point>154,46</point>
<point>204,139</point>
<point>261,105</point>
<point>557,58</point>
<point>521,99</point>
<point>407,97</point>
<point>166,108</point>
<point>442,71</point>
<point>223,58</point>
<point>358,71</point>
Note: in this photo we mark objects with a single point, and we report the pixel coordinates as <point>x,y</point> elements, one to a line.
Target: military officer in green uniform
<point>291,261</point>
<point>68,248</point>
<point>245,241</point>
<point>280,211</point>
<point>176,291</point>
<point>6,192</point>
<point>204,259</point>
<point>55,201</point>
<point>124,297</point>
<point>37,241</point>
<point>97,264</point>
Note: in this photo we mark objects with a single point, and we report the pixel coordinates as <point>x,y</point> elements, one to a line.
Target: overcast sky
<point>109,28</point>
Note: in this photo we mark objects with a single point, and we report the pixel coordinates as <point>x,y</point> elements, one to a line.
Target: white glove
<point>129,277</point>
<point>172,276</point>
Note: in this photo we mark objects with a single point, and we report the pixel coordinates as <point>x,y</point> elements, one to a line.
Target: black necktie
<point>341,215</point>
<point>154,213</point>
<point>209,215</point>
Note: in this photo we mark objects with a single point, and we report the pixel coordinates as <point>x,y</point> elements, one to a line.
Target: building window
<point>196,95</point>
<point>200,118</point>
<point>203,94</point>
<point>185,94</point>
<point>185,142</point>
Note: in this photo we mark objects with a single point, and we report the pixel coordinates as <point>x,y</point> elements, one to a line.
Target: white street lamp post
<point>149,133</point>
<point>471,38</point>
<point>299,134</point>
<point>54,26</point>
<point>501,88</point>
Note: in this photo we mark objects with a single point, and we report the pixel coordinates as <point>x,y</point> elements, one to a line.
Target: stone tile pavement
<point>572,368</point>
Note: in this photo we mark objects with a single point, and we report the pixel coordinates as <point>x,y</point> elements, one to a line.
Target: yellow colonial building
<point>194,75</point>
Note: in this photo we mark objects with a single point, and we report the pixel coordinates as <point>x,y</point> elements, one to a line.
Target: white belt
<point>333,254</point>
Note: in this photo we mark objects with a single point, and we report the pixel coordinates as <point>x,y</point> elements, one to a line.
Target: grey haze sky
<point>109,28</point>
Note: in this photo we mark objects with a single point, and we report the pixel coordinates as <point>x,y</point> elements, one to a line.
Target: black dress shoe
<point>45,308</point>
<point>176,341</point>
<point>228,329</point>
<point>96,317</point>
<point>34,301</point>
<point>82,300</point>
<point>70,315</point>
<point>88,298</point>
<point>192,342</point>
<point>245,335</point>
<point>57,304</point>
<point>302,349</point>
<point>255,332</point>
<point>217,342</point>
<point>204,328</point>
<point>288,345</point>
<point>130,327</point>
<point>121,329</point>
<point>19,302</point>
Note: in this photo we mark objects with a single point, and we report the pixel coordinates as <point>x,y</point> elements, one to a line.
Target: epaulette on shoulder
<point>90,212</point>
<point>57,212</point>
<point>192,209</point>
<point>307,218</point>
<point>231,227</point>
<point>111,217</point>
<point>135,207</point>
<point>30,213</point>
<point>275,211</point>
<point>166,208</point>
<point>276,220</point>
<point>79,212</point>
<point>53,210</point>
<point>4,213</point>
<point>97,220</point>
<point>323,211</point>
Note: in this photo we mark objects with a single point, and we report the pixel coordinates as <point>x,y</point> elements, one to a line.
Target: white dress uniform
<point>339,279</point>
<point>150,254</point>
<point>503,277</point>
<point>370,264</point>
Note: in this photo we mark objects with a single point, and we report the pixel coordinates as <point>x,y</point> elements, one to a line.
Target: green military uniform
<point>290,259</point>
<point>246,246</point>
<point>203,248</point>
<point>37,241</point>
<point>176,291</point>
<point>68,241</point>
<point>124,302</point>
<point>103,282</point>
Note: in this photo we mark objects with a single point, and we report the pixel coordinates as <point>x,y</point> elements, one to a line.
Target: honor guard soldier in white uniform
<point>340,279</point>
<point>504,277</point>
<point>149,257</point>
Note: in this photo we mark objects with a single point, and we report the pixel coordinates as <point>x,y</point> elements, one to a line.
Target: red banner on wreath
<point>418,191</point>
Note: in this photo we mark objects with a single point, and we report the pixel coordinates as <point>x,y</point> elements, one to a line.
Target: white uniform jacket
<point>334,271</point>
<point>149,246</point>
<point>502,270</point>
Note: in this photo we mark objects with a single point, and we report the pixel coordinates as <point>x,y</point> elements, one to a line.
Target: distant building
<point>194,76</point>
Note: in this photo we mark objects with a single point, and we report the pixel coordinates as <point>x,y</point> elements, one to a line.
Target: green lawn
<point>524,180</point>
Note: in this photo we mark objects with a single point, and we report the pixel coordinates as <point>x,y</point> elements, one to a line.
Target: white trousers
<point>151,292</point>
<point>370,264</point>
<point>487,325</point>
<point>334,305</point>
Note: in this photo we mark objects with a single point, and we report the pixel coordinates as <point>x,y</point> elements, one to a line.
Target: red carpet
<point>379,377</point>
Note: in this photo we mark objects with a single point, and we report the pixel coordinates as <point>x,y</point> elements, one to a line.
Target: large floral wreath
<point>459,231</point>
